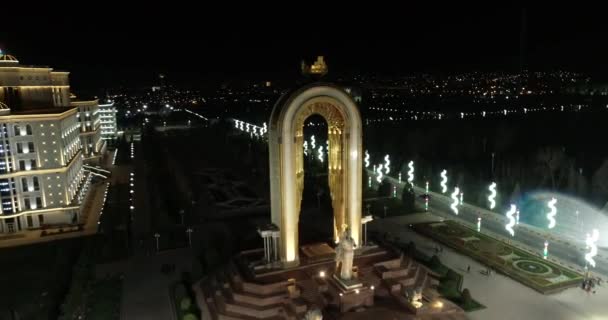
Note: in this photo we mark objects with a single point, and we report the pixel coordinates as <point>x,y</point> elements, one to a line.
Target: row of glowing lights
<point>457,195</point>
<point>132,180</point>
<point>252,129</point>
<point>457,199</point>
<point>512,215</point>
<point>85,188</point>
<point>439,116</point>
<point>103,204</point>
<point>196,114</point>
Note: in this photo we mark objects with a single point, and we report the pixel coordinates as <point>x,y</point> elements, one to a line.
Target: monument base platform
<point>348,285</point>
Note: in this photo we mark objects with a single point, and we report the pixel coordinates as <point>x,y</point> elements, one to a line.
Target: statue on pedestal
<point>345,253</point>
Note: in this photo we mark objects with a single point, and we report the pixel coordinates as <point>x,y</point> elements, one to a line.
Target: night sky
<point>105,48</point>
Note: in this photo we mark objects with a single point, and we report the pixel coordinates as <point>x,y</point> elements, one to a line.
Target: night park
<point>318,163</point>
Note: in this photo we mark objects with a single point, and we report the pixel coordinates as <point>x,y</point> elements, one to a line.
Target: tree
<point>408,199</point>
<point>434,262</point>
<point>467,300</point>
<point>385,189</point>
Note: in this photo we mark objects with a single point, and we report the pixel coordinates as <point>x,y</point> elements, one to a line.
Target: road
<point>526,237</point>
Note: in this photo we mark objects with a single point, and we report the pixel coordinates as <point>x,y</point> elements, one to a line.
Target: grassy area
<point>532,271</point>
<point>36,277</point>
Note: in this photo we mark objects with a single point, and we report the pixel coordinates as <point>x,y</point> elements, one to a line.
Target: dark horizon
<point>105,50</point>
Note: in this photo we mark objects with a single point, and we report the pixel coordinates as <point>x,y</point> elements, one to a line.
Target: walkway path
<point>146,290</point>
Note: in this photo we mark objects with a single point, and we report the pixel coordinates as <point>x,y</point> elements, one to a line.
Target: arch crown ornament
<point>285,140</point>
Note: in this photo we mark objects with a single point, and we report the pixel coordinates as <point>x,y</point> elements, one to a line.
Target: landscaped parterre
<point>532,271</point>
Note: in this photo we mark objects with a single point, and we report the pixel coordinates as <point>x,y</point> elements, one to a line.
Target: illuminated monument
<point>276,282</point>
<point>286,138</point>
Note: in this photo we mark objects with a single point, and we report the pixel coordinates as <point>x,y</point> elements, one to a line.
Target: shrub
<point>467,300</point>
<point>452,275</point>
<point>185,304</point>
<point>434,262</point>
<point>189,316</point>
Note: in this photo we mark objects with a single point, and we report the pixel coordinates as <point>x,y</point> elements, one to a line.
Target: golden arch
<point>286,161</point>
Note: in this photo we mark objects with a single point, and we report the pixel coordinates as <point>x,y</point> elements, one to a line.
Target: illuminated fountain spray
<point>379,172</point>
<point>313,142</point>
<point>461,198</point>
<point>517,217</point>
<point>427,187</point>
<point>305,147</point>
<point>320,154</point>
<point>492,196</point>
<point>591,242</point>
<point>255,131</point>
<point>444,181</point>
<point>454,204</point>
<point>241,123</point>
<point>546,250</point>
<point>410,173</point>
<point>236,123</point>
<point>265,129</point>
<point>478,224</point>
<point>394,191</point>
<point>399,177</point>
<point>426,203</point>
<point>387,164</point>
<point>247,126</point>
<point>551,215</point>
<point>366,159</point>
<point>369,182</point>
<point>509,226</point>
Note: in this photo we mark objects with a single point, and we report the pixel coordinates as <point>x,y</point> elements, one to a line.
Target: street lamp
<point>157,236</point>
<point>189,231</point>
<point>364,221</point>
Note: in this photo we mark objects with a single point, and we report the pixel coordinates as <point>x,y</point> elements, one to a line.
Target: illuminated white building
<point>107,114</point>
<point>93,147</point>
<point>42,181</point>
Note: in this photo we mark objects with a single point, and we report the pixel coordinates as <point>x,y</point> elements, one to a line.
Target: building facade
<point>42,180</point>
<point>93,147</point>
<point>107,114</point>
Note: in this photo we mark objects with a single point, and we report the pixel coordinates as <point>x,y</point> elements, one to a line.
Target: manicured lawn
<point>532,271</point>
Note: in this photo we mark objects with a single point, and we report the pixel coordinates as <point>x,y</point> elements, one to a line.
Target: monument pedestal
<point>351,294</point>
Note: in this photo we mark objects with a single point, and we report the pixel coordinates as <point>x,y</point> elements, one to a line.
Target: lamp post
<point>189,231</point>
<point>364,221</point>
<point>157,236</point>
